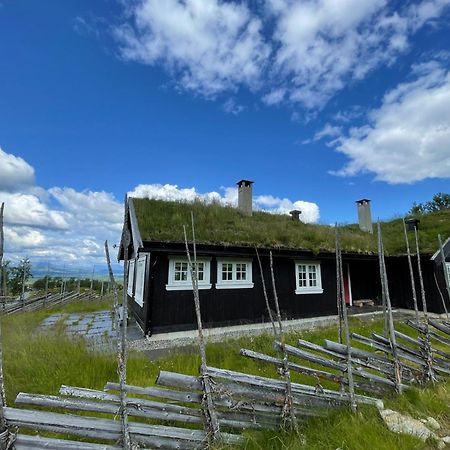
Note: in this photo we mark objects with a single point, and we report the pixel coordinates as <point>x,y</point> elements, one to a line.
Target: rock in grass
<point>432,423</point>
<point>399,423</point>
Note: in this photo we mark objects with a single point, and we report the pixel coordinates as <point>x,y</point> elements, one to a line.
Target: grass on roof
<point>216,224</point>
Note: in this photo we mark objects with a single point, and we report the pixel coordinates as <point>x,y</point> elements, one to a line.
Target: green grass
<point>216,224</point>
<point>40,363</point>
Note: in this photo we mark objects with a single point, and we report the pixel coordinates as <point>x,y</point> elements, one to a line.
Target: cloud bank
<point>67,227</point>
<point>289,51</point>
<point>406,139</point>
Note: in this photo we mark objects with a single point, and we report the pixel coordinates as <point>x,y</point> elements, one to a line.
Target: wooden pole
<point>2,239</point>
<point>411,272</point>
<point>393,339</point>
<point>91,291</point>
<point>209,412</point>
<point>101,291</point>
<point>122,342</point>
<point>429,372</point>
<point>382,279</point>
<point>62,281</point>
<point>288,414</point>
<point>46,282</point>
<point>446,274</point>
<point>266,297</point>
<point>112,282</point>
<point>343,307</point>
<point>338,286</point>
<point>23,284</point>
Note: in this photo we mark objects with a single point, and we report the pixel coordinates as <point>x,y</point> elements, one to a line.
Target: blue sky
<point>319,102</point>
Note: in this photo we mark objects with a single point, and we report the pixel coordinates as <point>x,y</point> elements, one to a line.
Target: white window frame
<point>308,289</point>
<point>140,277</point>
<point>234,283</point>
<point>186,285</point>
<point>130,285</point>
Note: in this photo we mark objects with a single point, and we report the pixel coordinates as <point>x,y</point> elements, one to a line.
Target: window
<point>448,269</point>
<point>180,274</point>
<point>308,279</point>
<point>130,286</point>
<point>232,274</point>
<point>139,288</point>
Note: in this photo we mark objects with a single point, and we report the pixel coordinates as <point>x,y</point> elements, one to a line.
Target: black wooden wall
<point>174,310</point>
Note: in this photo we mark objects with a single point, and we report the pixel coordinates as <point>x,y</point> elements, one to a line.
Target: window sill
<point>234,285</point>
<point>308,291</point>
<point>186,287</point>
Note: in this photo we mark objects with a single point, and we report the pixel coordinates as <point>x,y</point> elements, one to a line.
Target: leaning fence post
<point>446,274</point>
<point>2,238</point>
<point>429,372</point>
<point>122,342</point>
<point>343,308</point>
<point>384,283</point>
<point>411,273</point>
<point>288,409</point>
<point>4,432</point>
<point>113,284</point>
<point>266,297</point>
<point>209,412</point>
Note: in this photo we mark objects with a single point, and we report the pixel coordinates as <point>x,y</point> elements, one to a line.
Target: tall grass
<point>40,362</point>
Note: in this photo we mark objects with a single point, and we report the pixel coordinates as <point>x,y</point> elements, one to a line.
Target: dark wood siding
<point>172,310</point>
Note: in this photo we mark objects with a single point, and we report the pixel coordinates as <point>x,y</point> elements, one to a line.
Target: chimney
<point>364,215</point>
<point>295,214</point>
<point>245,197</point>
<point>412,223</point>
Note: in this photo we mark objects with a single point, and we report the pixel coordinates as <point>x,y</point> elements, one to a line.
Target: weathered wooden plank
<point>169,394</point>
<point>240,394</point>
<point>439,326</point>
<point>421,328</point>
<point>316,373</point>
<point>277,384</point>
<point>26,442</point>
<point>358,358</point>
<point>106,428</point>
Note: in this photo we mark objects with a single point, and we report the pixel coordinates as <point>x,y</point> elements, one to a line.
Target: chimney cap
<point>363,200</point>
<point>244,182</point>
<point>412,221</point>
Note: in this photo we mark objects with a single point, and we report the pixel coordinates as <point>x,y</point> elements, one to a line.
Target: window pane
<point>241,271</point>
<point>227,272</point>
<point>302,275</point>
<point>200,271</point>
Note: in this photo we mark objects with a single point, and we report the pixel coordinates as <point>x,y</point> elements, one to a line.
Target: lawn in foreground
<point>39,363</point>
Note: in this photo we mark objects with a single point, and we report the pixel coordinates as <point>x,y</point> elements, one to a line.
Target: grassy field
<point>40,363</point>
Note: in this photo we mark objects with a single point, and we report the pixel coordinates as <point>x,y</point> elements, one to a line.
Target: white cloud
<point>325,44</point>
<point>275,205</point>
<point>297,51</point>
<point>407,139</point>
<point>268,203</point>
<point>212,46</point>
<point>28,209</point>
<point>14,172</point>
<point>232,107</point>
<point>274,97</point>
<point>328,131</point>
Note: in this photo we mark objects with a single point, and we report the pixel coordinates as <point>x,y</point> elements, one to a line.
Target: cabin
<point>231,280</point>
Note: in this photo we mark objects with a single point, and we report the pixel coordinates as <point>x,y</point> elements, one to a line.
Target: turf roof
<point>163,221</point>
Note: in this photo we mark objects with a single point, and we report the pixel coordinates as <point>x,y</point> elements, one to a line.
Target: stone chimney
<point>245,197</point>
<point>364,215</point>
<point>295,214</point>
